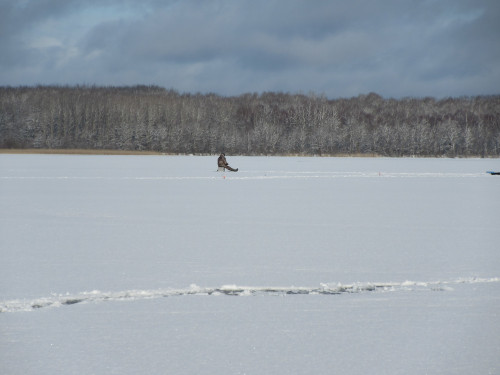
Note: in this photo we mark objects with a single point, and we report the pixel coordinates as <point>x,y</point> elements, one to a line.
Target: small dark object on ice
<point>222,164</point>
<point>493,173</point>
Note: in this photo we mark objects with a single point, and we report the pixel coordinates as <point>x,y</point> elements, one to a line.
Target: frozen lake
<point>160,264</point>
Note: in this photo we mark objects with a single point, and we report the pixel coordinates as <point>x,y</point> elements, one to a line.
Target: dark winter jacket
<point>221,162</point>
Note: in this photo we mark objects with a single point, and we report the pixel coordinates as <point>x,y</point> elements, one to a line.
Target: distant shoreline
<point>76,151</point>
<point>65,151</point>
<point>149,120</point>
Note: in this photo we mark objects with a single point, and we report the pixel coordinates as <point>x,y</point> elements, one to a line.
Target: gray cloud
<point>393,47</point>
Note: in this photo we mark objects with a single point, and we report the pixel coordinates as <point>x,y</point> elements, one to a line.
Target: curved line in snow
<point>234,290</point>
<point>263,176</point>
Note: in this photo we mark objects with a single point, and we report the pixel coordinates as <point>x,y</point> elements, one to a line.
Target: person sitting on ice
<point>223,165</point>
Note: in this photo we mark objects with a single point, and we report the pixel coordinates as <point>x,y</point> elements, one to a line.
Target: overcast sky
<point>395,48</point>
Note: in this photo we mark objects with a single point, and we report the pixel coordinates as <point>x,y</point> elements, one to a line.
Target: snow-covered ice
<point>160,264</point>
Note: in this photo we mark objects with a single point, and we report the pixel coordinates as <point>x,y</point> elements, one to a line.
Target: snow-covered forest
<point>156,119</point>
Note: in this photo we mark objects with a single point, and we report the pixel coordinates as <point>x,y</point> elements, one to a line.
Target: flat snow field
<point>161,265</point>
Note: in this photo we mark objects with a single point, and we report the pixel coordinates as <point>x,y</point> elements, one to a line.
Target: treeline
<point>155,119</point>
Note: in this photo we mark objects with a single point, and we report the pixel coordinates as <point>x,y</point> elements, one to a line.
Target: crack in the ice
<point>234,290</point>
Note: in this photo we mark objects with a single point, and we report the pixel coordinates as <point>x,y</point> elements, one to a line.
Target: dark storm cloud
<point>396,48</point>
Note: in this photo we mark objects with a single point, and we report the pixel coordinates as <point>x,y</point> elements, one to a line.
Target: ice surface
<point>160,264</point>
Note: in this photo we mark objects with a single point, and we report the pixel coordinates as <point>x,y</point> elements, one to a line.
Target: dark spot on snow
<point>72,301</point>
